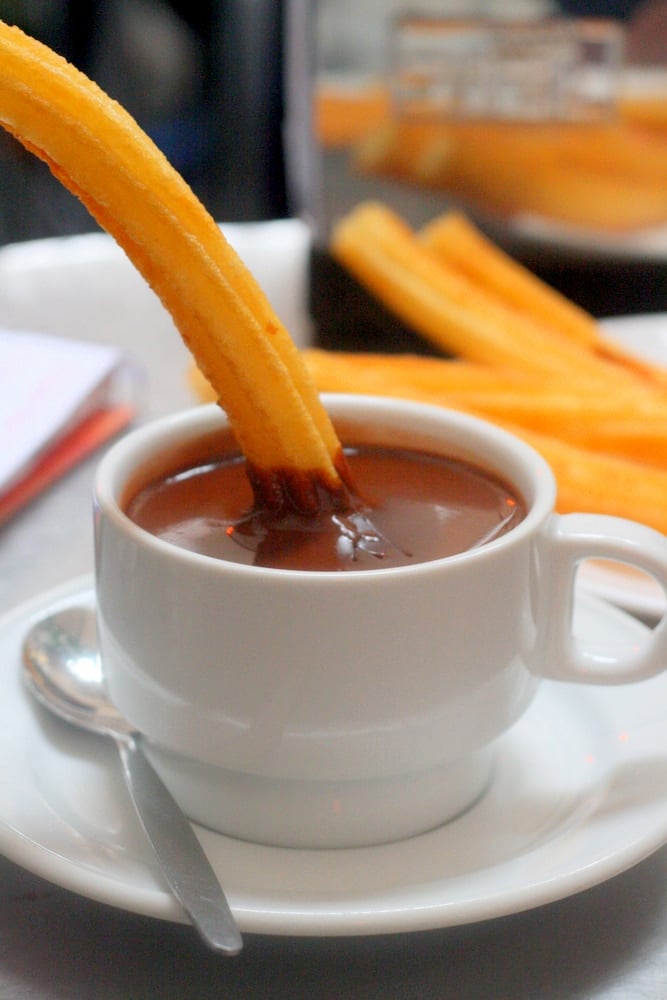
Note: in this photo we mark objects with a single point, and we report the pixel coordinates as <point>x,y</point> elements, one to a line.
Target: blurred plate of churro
<point>595,185</point>
<point>630,152</point>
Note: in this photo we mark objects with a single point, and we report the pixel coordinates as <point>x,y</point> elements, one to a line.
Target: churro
<point>450,308</point>
<point>101,155</point>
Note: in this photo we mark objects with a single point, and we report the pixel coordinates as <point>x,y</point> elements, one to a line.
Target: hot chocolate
<point>415,507</point>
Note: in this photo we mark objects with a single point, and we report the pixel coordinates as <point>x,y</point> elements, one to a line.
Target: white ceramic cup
<point>316,709</point>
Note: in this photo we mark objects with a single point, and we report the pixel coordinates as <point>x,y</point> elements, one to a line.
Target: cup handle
<point>565,542</point>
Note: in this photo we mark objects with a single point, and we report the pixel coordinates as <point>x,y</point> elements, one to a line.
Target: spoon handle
<point>182,859</point>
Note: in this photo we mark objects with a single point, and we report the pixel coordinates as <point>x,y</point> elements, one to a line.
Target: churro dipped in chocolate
<point>100,154</point>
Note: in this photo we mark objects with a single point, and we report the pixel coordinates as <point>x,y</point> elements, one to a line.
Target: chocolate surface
<point>415,507</point>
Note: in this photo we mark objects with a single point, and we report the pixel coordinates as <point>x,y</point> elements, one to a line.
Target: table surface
<point>609,942</point>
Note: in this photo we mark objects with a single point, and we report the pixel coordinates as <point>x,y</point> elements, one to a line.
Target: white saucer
<point>580,794</point>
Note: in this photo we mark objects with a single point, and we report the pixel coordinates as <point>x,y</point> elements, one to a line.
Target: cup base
<point>317,814</point>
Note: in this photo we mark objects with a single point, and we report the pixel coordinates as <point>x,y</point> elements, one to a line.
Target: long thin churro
<point>630,423</point>
<point>454,240</point>
<point>447,307</point>
<point>101,155</point>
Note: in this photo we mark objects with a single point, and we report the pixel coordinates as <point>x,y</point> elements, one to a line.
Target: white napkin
<point>60,398</point>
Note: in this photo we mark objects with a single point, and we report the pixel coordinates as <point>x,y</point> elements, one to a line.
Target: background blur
<point>205,78</point>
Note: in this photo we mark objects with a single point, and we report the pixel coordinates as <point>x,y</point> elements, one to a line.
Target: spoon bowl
<point>62,669</point>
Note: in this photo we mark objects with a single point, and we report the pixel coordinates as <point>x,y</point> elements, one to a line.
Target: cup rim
<point>125,454</point>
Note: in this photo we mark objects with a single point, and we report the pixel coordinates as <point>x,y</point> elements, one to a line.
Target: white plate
<point>579,795</point>
<point>625,587</point>
<point>645,336</point>
<point>648,245</point>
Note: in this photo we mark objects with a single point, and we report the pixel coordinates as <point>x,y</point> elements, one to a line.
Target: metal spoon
<point>63,670</point>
